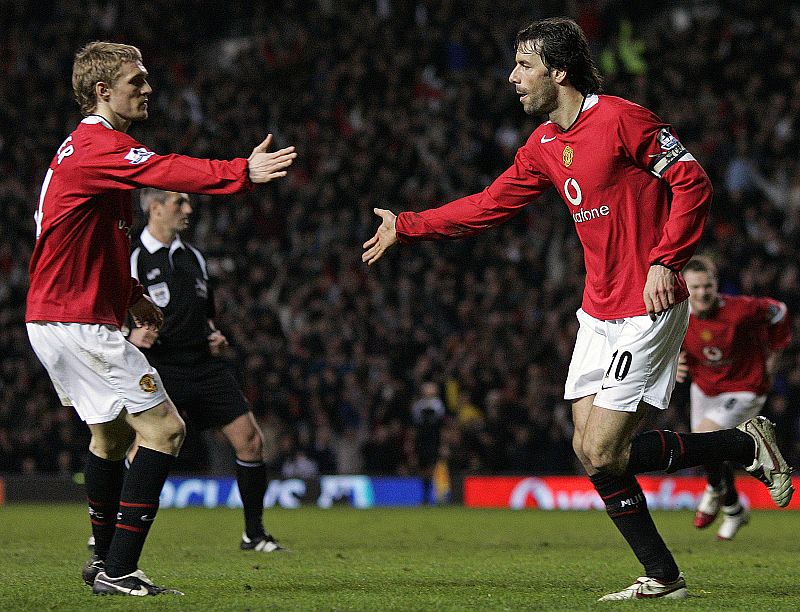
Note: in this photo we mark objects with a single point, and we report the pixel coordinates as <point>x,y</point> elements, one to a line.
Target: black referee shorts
<point>207,394</point>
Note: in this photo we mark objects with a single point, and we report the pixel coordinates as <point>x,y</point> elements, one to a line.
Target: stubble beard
<point>545,103</point>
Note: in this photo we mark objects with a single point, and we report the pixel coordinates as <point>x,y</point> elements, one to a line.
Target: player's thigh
<point>581,408</point>
<point>643,361</point>
<point>111,440</point>
<point>96,370</point>
<point>608,434</point>
<point>727,410</point>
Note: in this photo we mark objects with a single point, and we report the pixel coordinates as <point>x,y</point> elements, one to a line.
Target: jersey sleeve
<point>126,164</point>
<point>653,146</point>
<point>473,214</point>
<point>776,315</point>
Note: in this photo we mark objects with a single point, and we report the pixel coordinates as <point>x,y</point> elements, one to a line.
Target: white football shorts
<point>624,362</point>
<point>726,409</point>
<point>95,370</point>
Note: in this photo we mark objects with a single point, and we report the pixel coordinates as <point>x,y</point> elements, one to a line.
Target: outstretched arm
<point>384,237</point>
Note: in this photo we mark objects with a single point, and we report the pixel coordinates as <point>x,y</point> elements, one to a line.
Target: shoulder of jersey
<point>736,299</point>
<point>733,304</point>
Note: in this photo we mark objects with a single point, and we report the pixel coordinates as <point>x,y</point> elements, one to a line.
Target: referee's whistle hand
<point>217,343</point>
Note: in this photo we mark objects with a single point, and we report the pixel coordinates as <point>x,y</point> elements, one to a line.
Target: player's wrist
<point>663,265</point>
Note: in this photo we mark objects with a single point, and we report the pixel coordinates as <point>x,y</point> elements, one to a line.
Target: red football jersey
<point>80,267</point>
<point>727,351</point>
<point>637,197</point>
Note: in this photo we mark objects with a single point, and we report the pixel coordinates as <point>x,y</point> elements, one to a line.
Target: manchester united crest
<point>567,156</point>
<point>147,383</point>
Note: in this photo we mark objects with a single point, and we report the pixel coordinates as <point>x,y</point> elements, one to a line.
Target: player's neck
<point>164,236</point>
<point>709,312</point>
<point>570,102</point>
<point>116,121</point>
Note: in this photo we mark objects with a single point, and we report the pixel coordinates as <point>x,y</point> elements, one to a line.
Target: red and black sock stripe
<point>103,485</point>
<point>138,506</point>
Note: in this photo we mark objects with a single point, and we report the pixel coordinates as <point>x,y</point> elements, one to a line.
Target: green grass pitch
<point>448,558</point>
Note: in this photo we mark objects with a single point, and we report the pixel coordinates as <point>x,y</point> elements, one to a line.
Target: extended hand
<point>146,314</point>
<point>264,167</point>
<point>659,290</point>
<point>385,237</point>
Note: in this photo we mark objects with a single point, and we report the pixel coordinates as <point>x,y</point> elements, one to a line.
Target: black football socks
<point>251,476</point>
<point>627,507</point>
<point>668,451</point>
<point>137,509</point>
<point>103,485</point>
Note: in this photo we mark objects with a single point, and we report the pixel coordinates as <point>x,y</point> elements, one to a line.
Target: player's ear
<point>102,90</point>
<point>558,75</point>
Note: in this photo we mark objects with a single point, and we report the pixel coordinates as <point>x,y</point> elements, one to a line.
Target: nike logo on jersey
<point>546,140</point>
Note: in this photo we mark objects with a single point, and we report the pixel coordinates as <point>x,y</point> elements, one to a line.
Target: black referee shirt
<point>176,279</point>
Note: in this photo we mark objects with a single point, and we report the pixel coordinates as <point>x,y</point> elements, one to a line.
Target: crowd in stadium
<point>398,104</point>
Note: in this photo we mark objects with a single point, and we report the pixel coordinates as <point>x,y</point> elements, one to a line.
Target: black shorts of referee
<point>206,394</point>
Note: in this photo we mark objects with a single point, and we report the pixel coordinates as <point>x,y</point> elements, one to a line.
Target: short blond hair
<point>701,263</point>
<point>98,61</point>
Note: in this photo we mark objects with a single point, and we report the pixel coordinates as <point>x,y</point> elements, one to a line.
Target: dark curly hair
<point>562,45</point>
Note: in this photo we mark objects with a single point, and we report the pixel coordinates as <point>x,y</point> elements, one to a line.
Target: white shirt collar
<point>590,101</point>
<point>152,244</point>
<point>95,119</point>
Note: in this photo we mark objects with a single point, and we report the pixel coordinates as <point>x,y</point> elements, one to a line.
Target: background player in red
<point>639,202</point>
<point>81,291</point>
<point>729,351</point>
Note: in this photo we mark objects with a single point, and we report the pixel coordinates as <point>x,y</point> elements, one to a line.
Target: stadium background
<point>402,105</point>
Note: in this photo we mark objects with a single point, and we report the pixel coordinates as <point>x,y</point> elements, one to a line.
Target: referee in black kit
<point>186,350</point>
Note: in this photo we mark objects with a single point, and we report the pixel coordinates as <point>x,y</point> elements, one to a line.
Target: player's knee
<point>602,457</point>
<point>251,445</point>
<point>113,447</point>
<point>169,436</point>
<point>577,447</point>
<point>176,435</point>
